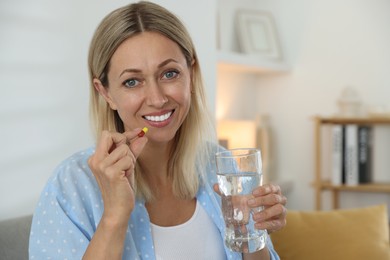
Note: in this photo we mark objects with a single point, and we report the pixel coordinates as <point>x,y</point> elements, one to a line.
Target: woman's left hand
<point>273,215</point>
<point>271,199</point>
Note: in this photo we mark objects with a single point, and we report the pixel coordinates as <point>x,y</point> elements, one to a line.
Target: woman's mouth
<point>159,118</point>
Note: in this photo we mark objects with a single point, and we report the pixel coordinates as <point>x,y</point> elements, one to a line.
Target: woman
<point>138,196</point>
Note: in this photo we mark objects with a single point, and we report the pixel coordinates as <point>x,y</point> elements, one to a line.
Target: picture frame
<point>257,34</point>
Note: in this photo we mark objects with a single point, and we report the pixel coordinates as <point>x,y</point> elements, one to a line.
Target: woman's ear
<point>103,91</point>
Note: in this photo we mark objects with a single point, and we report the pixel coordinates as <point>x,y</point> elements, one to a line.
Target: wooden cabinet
<point>320,184</point>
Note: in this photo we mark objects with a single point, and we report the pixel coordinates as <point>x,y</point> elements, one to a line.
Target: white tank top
<point>198,238</point>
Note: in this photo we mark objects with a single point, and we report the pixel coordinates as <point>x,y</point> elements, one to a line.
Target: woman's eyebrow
<point>129,70</point>
<point>162,64</point>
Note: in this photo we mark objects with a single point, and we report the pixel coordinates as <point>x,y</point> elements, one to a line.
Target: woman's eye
<point>131,83</point>
<point>170,74</point>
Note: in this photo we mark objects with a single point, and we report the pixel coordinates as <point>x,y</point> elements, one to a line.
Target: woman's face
<point>149,85</point>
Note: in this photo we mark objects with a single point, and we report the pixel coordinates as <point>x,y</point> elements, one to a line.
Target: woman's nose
<point>155,95</point>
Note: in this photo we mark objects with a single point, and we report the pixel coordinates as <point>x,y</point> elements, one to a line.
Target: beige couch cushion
<point>356,234</point>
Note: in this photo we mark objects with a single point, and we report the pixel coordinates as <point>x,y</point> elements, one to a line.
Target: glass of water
<point>239,172</point>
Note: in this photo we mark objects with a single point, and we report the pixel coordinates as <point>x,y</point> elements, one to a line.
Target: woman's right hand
<point>113,167</point>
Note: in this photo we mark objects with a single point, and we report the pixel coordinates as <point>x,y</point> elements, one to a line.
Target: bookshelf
<point>320,184</point>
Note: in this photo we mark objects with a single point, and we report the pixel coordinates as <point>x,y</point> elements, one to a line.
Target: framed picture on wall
<point>257,34</point>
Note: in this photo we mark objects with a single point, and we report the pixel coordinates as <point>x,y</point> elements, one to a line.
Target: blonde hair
<point>190,145</point>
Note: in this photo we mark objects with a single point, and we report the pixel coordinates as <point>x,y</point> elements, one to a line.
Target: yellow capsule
<point>143,132</point>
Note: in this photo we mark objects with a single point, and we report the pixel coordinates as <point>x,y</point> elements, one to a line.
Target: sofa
<point>14,236</point>
<point>347,234</point>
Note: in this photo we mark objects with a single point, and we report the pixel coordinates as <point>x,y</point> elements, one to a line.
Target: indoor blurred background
<point>322,48</point>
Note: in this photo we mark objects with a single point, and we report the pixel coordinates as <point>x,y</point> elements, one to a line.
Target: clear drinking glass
<point>239,172</point>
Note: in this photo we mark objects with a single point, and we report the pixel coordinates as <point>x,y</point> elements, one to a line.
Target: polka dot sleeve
<point>65,217</point>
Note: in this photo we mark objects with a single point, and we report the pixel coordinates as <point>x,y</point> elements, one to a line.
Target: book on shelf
<point>337,154</point>
<point>351,154</point>
<point>365,154</point>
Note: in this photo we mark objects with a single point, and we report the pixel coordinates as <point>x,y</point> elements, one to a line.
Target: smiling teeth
<point>159,118</point>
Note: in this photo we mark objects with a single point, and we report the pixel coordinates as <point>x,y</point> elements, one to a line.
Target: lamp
<point>237,133</point>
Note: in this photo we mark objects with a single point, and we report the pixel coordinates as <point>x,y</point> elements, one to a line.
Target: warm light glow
<point>237,133</point>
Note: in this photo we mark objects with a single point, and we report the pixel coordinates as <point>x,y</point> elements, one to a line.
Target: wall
<point>330,45</point>
<point>44,85</point>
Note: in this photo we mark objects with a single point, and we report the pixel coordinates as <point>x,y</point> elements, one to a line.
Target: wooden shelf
<point>369,187</point>
<point>320,184</point>
<point>239,62</point>
<point>357,120</point>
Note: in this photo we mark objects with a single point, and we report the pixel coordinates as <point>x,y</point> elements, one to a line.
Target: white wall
<point>330,44</point>
<point>44,85</point>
